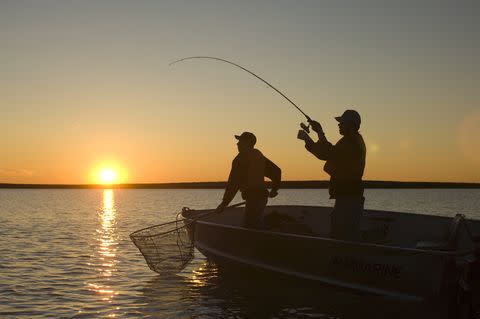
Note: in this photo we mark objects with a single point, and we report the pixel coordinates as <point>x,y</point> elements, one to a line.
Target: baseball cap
<point>351,116</point>
<point>247,136</point>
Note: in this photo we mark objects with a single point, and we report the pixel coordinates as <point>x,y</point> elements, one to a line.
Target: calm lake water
<point>67,254</point>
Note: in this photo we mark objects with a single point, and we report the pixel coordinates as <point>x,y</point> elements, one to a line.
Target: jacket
<point>345,163</point>
<point>247,175</point>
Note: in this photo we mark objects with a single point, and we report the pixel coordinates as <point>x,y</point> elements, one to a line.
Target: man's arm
<point>322,149</point>
<point>233,184</point>
<point>273,172</point>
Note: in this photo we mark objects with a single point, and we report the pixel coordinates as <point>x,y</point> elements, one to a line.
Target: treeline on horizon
<point>221,185</point>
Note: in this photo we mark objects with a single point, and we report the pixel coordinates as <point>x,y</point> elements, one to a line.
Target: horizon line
<point>305,184</point>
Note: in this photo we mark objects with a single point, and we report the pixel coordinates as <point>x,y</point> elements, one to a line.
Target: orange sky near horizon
<point>86,85</point>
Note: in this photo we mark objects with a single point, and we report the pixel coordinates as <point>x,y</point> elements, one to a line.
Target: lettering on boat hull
<point>339,263</point>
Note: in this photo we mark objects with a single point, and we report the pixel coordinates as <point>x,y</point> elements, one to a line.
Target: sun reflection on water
<point>199,273</point>
<point>107,240</point>
<point>104,259</point>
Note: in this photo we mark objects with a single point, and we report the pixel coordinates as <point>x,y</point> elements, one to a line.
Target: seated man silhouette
<point>249,168</point>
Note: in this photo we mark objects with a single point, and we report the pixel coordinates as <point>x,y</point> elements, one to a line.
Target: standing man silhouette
<point>249,168</point>
<point>345,163</point>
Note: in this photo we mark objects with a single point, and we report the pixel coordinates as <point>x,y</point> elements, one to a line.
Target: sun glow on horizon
<point>108,174</point>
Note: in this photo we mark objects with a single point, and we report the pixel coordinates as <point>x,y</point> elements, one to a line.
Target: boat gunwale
<point>412,250</point>
<point>365,210</point>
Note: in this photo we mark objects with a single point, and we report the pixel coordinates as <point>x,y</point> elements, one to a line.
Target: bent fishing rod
<point>305,127</point>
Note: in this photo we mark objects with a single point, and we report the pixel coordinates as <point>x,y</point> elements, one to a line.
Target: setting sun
<point>108,173</point>
<point>108,176</point>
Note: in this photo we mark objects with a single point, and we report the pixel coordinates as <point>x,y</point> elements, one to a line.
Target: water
<point>67,254</point>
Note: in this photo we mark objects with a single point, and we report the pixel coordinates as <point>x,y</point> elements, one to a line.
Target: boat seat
<point>450,242</point>
<point>284,223</point>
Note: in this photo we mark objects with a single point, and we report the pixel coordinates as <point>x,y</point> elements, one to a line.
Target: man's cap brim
<point>237,137</point>
<point>338,118</point>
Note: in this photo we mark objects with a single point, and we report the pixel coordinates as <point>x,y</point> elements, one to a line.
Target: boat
<point>414,257</point>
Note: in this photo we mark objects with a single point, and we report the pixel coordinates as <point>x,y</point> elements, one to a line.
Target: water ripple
<point>67,254</point>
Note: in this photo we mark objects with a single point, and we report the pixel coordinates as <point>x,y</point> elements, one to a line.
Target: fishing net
<point>167,247</point>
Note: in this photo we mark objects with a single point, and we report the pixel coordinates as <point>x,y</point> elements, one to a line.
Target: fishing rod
<point>304,126</point>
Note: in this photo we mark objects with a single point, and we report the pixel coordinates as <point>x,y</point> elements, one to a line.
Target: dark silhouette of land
<point>221,185</point>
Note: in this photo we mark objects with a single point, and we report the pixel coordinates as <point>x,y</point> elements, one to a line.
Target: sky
<point>87,84</point>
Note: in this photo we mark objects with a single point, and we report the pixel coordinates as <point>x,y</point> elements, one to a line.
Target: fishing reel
<point>305,127</point>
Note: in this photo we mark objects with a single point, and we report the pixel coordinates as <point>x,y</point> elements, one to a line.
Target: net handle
<point>207,213</point>
<point>192,220</point>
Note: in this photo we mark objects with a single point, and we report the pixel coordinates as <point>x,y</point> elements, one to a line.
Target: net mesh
<point>167,247</point>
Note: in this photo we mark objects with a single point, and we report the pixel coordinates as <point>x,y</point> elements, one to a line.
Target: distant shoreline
<point>221,185</point>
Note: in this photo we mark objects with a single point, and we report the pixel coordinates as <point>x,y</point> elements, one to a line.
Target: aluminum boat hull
<point>386,263</point>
